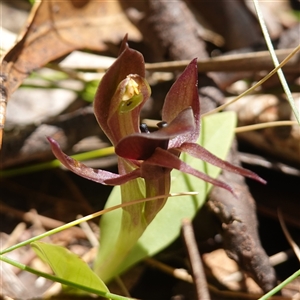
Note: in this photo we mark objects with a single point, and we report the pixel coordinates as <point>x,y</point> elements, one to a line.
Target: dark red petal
<point>141,146</point>
<point>203,154</point>
<point>168,160</point>
<point>121,179</point>
<point>100,176</point>
<point>128,62</point>
<point>183,94</point>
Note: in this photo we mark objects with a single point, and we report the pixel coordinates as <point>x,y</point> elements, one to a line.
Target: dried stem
<point>195,261</point>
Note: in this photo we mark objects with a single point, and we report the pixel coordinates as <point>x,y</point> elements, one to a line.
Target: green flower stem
<point>108,267</point>
<point>56,163</point>
<point>156,186</point>
<point>132,226</point>
<point>62,281</point>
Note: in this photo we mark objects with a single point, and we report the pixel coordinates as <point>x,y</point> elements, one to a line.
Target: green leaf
<point>68,265</point>
<point>217,132</point>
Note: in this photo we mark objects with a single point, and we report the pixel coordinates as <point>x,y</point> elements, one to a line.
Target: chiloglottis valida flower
<point>120,97</point>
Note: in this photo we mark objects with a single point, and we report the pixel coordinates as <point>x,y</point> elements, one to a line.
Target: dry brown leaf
<point>226,271</point>
<point>55,28</point>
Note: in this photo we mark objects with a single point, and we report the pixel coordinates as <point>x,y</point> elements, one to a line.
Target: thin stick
<point>14,236</point>
<point>252,61</point>
<point>260,82</point>
<point>89,232</point>
<point>45,221</point>
<point>264,125</point>
<point>294,246</point>
<point>195,260</point>
<point>180,274</point>
<point>122,286</point>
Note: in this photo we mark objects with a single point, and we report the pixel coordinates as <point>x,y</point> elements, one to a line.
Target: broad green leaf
<point>217,132</point>
<point>68,265</point>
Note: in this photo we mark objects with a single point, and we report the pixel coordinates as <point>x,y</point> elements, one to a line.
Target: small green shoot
<point>275,60</point>
<point>279,287</point>
<point>56,163</point>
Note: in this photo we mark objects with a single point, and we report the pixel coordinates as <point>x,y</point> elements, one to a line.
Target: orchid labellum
<point>145,159</point>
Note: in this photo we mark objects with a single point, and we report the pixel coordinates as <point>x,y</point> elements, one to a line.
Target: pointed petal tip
<point>258,178</point>
<point>56,149</point>
<point>124,44</point>
<point>53,143</point>
<point>51,140</point>
<point>194,63</point>
<point>96,175</point>
<point>200,152</point>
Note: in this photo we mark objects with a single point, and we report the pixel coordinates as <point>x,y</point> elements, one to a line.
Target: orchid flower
<point>146,159</point>
<point>120,97</point>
